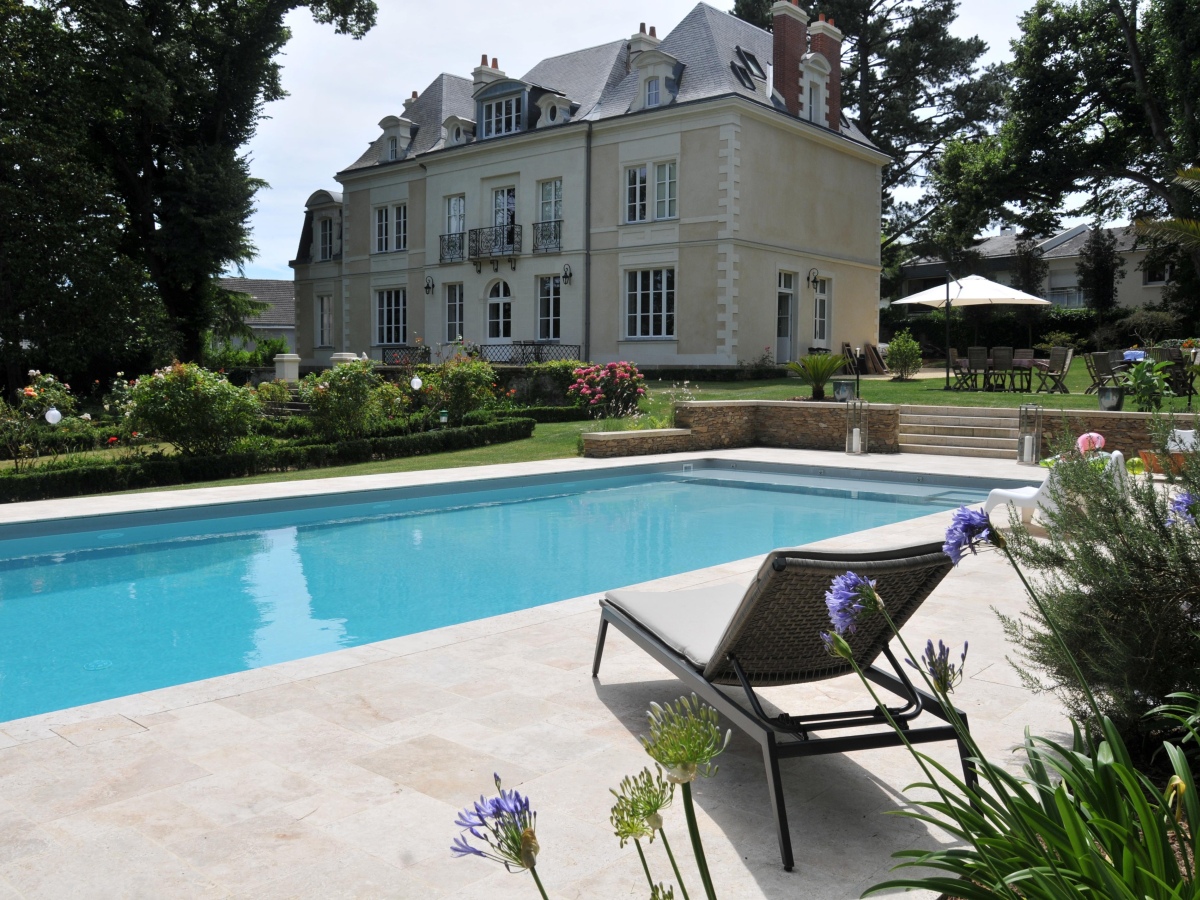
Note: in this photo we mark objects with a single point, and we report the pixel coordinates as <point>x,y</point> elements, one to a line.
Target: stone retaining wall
<point>1128,432</point>
<point>724,424</point>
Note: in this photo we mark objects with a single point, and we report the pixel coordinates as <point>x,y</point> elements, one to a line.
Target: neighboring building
<point>685,201</point>
<point>1140,285</point>
<point>278,320</point>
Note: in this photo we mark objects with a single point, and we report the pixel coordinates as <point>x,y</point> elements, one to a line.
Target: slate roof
<point>1126,239</point>
<point>279,295</point>
<point>600,81</point>
<point>1062,245</point>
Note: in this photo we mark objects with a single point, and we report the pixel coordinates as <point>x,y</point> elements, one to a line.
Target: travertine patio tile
<point>320,809</point>
<point>19,836</point>
<point>410,828</point>
<point>353,876</point>
<point>158,816</point>
<point>243,793</point>
<point>196,730</point>
<point>92,731</point>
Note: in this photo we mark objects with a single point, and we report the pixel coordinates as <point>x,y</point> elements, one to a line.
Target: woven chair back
<point>1023,353</point>
<point>977,359</point>
<point>1103,364</point>
<point>1002,358</point>
<point>1058,356</point>
<point>776,633</point>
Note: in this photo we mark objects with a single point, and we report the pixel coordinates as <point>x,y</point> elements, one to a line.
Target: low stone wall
<point>1128,432</point>
<point>724,424</point>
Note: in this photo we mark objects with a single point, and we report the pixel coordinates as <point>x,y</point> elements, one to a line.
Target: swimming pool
<point>100,607</point>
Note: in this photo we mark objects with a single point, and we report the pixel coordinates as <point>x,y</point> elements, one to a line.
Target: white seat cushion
<point>1182,441</point>
<point>690,622</point>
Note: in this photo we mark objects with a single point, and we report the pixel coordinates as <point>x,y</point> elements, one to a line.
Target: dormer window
<point>392,148</point>
<point>502,116</point>
<point>651,92</point>
<point>458,134</point>
<point>326,244</point>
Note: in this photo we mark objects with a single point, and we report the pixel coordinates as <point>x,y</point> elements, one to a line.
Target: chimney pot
<point>483,60</point>
<point>831,20</point>
<point>821,17</point>
<point>414,96</point>
<point>642,28</point>
<point>653,31</point>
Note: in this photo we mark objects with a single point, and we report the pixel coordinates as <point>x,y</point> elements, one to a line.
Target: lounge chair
<point>1030,499</point>
<point>769,633</point>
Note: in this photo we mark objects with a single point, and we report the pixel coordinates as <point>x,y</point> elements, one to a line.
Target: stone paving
<point>339,776</point>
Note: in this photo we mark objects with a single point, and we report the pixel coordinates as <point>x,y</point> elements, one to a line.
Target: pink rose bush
<point>610,390</point>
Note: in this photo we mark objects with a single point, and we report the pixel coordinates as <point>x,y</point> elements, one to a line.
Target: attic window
<point>391,148</point>
<point>742,75</point>
<point>552,113</point>
<point>502,116</point>
<point>652,92</point>
<point>750,61</point>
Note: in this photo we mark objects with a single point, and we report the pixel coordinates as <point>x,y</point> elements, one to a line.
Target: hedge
<point>163,471</point>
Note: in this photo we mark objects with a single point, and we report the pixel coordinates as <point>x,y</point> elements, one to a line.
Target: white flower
<point>87,417</point>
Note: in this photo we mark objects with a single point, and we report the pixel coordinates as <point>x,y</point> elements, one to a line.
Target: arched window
<point>500,312</point>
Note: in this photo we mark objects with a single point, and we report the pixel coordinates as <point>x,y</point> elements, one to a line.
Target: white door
<point>821,313</point>
<point>499,323</point>
<point>785,314</point>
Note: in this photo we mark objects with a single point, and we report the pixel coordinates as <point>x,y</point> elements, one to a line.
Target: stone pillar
<point>287,367</point>
<point>338,358</point>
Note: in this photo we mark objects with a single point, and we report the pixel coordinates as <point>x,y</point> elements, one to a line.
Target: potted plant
<point>1112,397</point>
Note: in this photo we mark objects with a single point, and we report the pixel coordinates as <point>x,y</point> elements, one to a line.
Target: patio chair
<point>1089,363</point>
<point>1023,365</point>
<point>977,367</point>
<point>962,377</point>
<point>1103,372</point>
<point>1050,378</point>
<point>1002,369</point>
<point>769,633</point>
<point>1030,499</point>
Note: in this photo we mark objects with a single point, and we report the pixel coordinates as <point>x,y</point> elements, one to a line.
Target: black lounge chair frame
<point>912,571</point>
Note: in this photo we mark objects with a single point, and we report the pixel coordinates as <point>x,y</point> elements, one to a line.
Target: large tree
<point>173,91</point>
<point>1099,269</point>
<point>1102,102</point>
<point>909,84</point>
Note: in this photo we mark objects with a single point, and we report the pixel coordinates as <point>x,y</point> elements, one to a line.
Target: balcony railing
<point>522,353</point>
<point>405,356</point>
<point>547,236</point>
<point>500,240</point>
<point>452,247</point>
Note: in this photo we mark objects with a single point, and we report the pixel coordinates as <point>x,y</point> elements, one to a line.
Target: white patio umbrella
<point>974,290</point>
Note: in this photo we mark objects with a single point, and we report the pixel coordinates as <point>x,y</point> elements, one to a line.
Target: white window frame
<point>499,312</point>
<point>637,194</point>
<point>666,188</point>
<point>393,146</point>
<point>456,213</point>
<point>550,308</point>
<point>383,218</point>
<point>650,310</point>
<point>454,312</point>
<point>400,221</point>
<point>391,316</point>
<point>652,91</point>
<point>550,210</point>
<point>503,116</point>
<point>325,239</point>
<point>323,310</point>
<point>821,295</point>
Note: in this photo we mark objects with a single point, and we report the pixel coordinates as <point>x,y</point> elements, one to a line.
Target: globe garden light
<point>416,382</point>
<point>53,416</point>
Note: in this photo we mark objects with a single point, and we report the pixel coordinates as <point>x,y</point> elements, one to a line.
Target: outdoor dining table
<point>1134,355</point>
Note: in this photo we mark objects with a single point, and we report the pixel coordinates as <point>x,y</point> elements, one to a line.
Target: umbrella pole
<point>947,308</point>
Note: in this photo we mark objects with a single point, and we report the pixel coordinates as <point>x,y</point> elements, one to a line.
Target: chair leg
<point>775,787</point>
<point>599,645</point>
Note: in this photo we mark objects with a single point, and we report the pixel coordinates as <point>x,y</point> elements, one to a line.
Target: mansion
<point>693,200</point>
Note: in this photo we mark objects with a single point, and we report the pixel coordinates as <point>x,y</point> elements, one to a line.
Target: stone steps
<point>959,431</point>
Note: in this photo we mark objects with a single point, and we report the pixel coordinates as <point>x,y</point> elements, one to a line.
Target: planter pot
<point>1112,398</point>
<point>843,389</point>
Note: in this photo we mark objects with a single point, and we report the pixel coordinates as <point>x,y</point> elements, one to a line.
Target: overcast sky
<point>339,88</point>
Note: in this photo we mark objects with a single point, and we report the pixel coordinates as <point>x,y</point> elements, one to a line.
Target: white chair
<point>1028,499</point>
<point>1183,441</point>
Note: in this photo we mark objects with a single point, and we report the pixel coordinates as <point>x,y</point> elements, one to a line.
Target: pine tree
<point>1099,269</point>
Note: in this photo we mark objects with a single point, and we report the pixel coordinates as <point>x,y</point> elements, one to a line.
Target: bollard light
<point>443,416</point>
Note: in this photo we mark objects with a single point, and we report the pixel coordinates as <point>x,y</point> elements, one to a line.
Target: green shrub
<point>350,400</point>
<point>816,369</point>
<point>904,356</point>
<point>197,411</point>
<point>274,396</point>
<point>459,385</point>
<point>549,382</point>
<point>1120,574</point>
<point>24,431</point>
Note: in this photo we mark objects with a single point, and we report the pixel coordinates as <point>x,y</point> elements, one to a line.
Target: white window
<point>326,248</point>
<point>504,217</point>
<point>502,116</point>
<point>784,302</point>
<point>382,215</point>
<point>499,311</point>
<point>456,214</point>
<point>664,190</point>
<point>635,194</point>
<point>550,208</point>
<point>821,313</point>
<point>652,92</point>
<point>391,319</point>
<point>454,313</point>
<point>400,216</point>
<point>391,148</point>
<point>549,308</point>
<point>814,104</point>
<point>1156,274</point>
<point>650,303</point>
<point>324,312</point>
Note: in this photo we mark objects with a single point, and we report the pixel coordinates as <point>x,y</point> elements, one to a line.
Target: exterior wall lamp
<point>567,274</point>
<point>813,277</point>
<point>429,284</point>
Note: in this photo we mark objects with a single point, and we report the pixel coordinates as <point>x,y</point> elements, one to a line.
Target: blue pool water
<point>162,599</point>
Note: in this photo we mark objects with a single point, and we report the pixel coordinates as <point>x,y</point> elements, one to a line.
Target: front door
<point>821,314</point>
<point>785,300</point>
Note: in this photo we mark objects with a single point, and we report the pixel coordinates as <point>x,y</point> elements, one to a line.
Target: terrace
<point>340,774</point>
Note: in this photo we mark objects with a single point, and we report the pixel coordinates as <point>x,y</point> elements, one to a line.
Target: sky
<point>339,88</point>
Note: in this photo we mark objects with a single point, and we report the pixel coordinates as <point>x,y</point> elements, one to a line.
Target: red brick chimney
<point>827,41</point>
<point>789,24</point>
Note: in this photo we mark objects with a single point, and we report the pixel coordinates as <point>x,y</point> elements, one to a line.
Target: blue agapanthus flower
<point>944,674</point>
<point>1183,509</point>
<point>968,529</point>
<point>849,597</point>
<point>505,826</point>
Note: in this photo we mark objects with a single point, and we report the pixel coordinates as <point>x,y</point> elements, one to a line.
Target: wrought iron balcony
<point>547,236</point>
<point>500,240</point>
<point>522,353</point>
<point>452,247</point>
